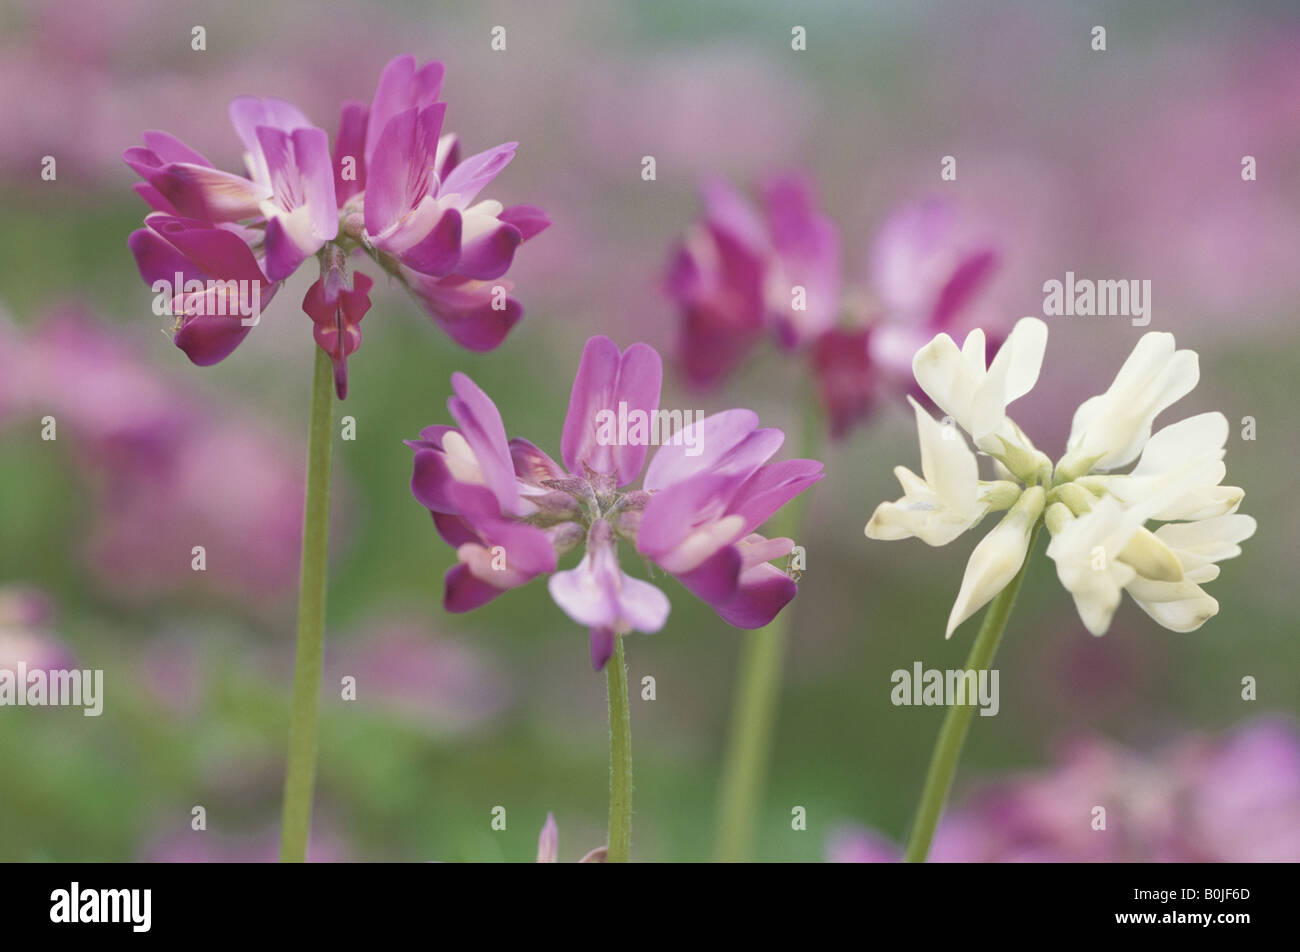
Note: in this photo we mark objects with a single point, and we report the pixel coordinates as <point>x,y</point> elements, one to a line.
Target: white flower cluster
<point>1097,518</point>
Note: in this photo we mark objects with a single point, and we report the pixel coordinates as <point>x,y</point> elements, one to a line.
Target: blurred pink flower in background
<point>732,275</point>
<point>432,682</point>
<point>1234,798</point>
<point>717,107</point>
<point>26,618</point>
<point>168,471</point>
<point>926,264</point>
<point>104,87</point>
<point>740,275</point>
<point>1216,247</point>
<point>213,846</point>
<point>121,414</point>
<point>172,670</point>
<point>232,487</point>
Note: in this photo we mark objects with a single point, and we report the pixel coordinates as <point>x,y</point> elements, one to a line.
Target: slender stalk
<point>956,723</point>
<point>758,691</point>
<point>300,774</point>
<point>750,741</point>
<point>620,757</point>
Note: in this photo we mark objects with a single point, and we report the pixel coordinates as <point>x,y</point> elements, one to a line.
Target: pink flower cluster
<point>741,274</point>
<point>1234,798</point>
<point>218,246</point>
<point>511,511</point>
<point>158,461</point>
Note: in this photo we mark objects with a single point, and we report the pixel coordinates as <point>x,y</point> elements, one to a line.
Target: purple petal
<point>454,530</point>
<point>741,586</point>
<point>159,260</point>
<point>283,253</point>
<point>471,176</point>
<point>487,256</point>
<point>548,841</point>
<point>399,170</point>
<point>301,176</point>
<point>602,647</point>
<point>605,379</point>
<point>597,593</point>
<point>728,210</point>
<point>674,514</point>
<point>401,86</point>
<point>481,425</point>
<point>926,263</point>
<point>171,149</point>
<point>729,439</point>
<point>350,143</point>
<point>529,219</point>
<point>719,283</point>
<point>762,592</point>
<point>970,275</point>
<point>846,376</point>
<point>640,379</point>
<point>448,155</point>
<point>217,252</point>
<point>531,464</point>
<point>771,487</point>
<point>715,579</point>
<point>198,191</point>
<point>439,252</point>
<point>435,488</point>
<point>209,339</point>
<point>591,392</point>
<point>466,310</point>
<point>154,198</point>
<point>808,245</point>
<point>247,113</point>
<point>463,592</point>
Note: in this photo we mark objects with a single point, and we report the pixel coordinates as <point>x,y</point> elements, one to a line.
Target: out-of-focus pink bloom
<point>213,846</point>
<point>1231,799</point>
<point>218,245</point>
<point>434,683</point>
<point>511,511</point>
<point>159,461</point>
<point>734,275</point>
<point>853,844</point>
<point>122,413</point>
<point>249,527</point>
<point>925,265</point>
<point>548,845</point>
<point>26,615</point>
<point>172,672</point>
<point>739,275</point>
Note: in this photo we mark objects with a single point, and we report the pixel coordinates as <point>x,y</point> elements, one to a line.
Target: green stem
<point>620,757</point>
<point>956,723</point>
<point>758,691</point>
<point>301,771</point>
<point>750,741</point>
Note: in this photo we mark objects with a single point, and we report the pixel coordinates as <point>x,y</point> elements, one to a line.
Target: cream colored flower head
<point>1098,517</point>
